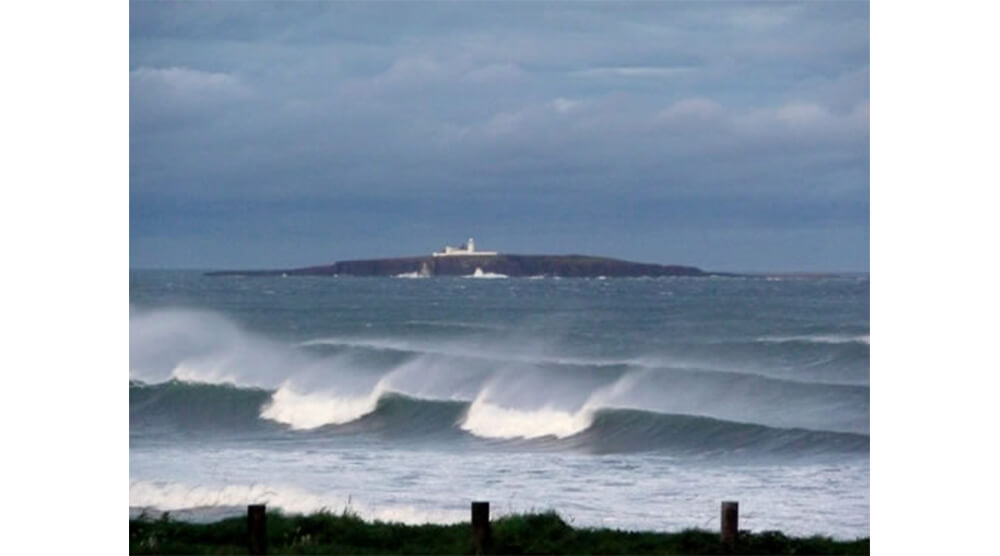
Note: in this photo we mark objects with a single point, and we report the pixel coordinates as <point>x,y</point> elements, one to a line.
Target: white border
<point>65,285</point>
<point>933,302</point>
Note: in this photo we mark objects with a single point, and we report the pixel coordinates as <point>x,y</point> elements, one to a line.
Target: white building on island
<point>466,249</point>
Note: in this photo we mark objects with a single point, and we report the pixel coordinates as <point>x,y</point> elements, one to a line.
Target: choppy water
<point>632,403</point>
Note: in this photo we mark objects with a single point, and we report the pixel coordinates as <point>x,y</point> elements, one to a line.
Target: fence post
<point>481,534</point>
<point>257,528</point>
<point>730,522</point>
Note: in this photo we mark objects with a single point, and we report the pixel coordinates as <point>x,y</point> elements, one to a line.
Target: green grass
<point>542,533</point>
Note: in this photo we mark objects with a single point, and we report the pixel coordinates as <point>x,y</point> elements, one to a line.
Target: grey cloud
<point>177,95</point>
<point>535,101</point>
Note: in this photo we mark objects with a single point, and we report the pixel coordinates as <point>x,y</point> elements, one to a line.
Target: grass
<point>537,533</point>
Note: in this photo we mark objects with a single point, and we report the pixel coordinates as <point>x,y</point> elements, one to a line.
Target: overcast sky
<point>726,135</point>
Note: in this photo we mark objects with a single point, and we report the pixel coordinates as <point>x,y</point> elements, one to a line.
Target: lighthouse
<point>466,249</point>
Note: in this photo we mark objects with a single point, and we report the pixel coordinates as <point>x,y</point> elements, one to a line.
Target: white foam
<point>316,409</point>
<point>622,491</point>
<point>490,420</point>
<point>216,372</point>
<point>173,497</point>
<point>487,420</point>
<point>487,275</point>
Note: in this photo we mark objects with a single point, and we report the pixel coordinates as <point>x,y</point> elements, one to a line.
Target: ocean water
<point>627,403</point>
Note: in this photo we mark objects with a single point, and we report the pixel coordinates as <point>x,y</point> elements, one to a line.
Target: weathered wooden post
<point>257,528</point>
<point>730,522</point>
<point>481,534</point>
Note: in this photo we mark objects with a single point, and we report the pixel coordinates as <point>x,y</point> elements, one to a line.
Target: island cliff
<point>568,266</point>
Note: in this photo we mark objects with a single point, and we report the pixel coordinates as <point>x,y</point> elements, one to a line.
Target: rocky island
<point>465,261</point>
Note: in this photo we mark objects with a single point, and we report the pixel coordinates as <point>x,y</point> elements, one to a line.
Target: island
<point>465,260</point>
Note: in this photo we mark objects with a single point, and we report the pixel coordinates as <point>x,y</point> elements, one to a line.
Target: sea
<point>628,403</point>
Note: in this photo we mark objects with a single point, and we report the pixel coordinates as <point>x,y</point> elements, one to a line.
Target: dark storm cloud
<point>597,120</point>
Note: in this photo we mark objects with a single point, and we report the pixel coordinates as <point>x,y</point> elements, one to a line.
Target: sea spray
<point>202,346</point>
<point>506,378</point>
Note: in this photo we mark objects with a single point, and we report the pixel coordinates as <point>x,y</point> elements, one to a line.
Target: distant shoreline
<point>565,266</point>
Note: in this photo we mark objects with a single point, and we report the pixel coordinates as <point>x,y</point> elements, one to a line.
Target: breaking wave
<point>316,409</point>
<point>394,417</point>
<point>487,420</point>
<point>197,372</point>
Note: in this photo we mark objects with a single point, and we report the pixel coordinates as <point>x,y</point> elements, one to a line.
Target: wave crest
<point>317,409</point>
<point>488,420</point>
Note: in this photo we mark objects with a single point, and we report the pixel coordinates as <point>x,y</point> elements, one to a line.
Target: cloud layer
<point>422,123</point>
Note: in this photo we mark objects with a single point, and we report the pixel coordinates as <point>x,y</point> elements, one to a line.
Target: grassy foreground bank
<point>545,533</point>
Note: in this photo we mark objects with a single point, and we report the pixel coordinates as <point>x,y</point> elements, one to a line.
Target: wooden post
<point>481,534</point>
<point>730,522</point>
<point>257,528</point>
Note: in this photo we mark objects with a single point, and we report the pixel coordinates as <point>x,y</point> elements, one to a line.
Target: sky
<point>724,135</point>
